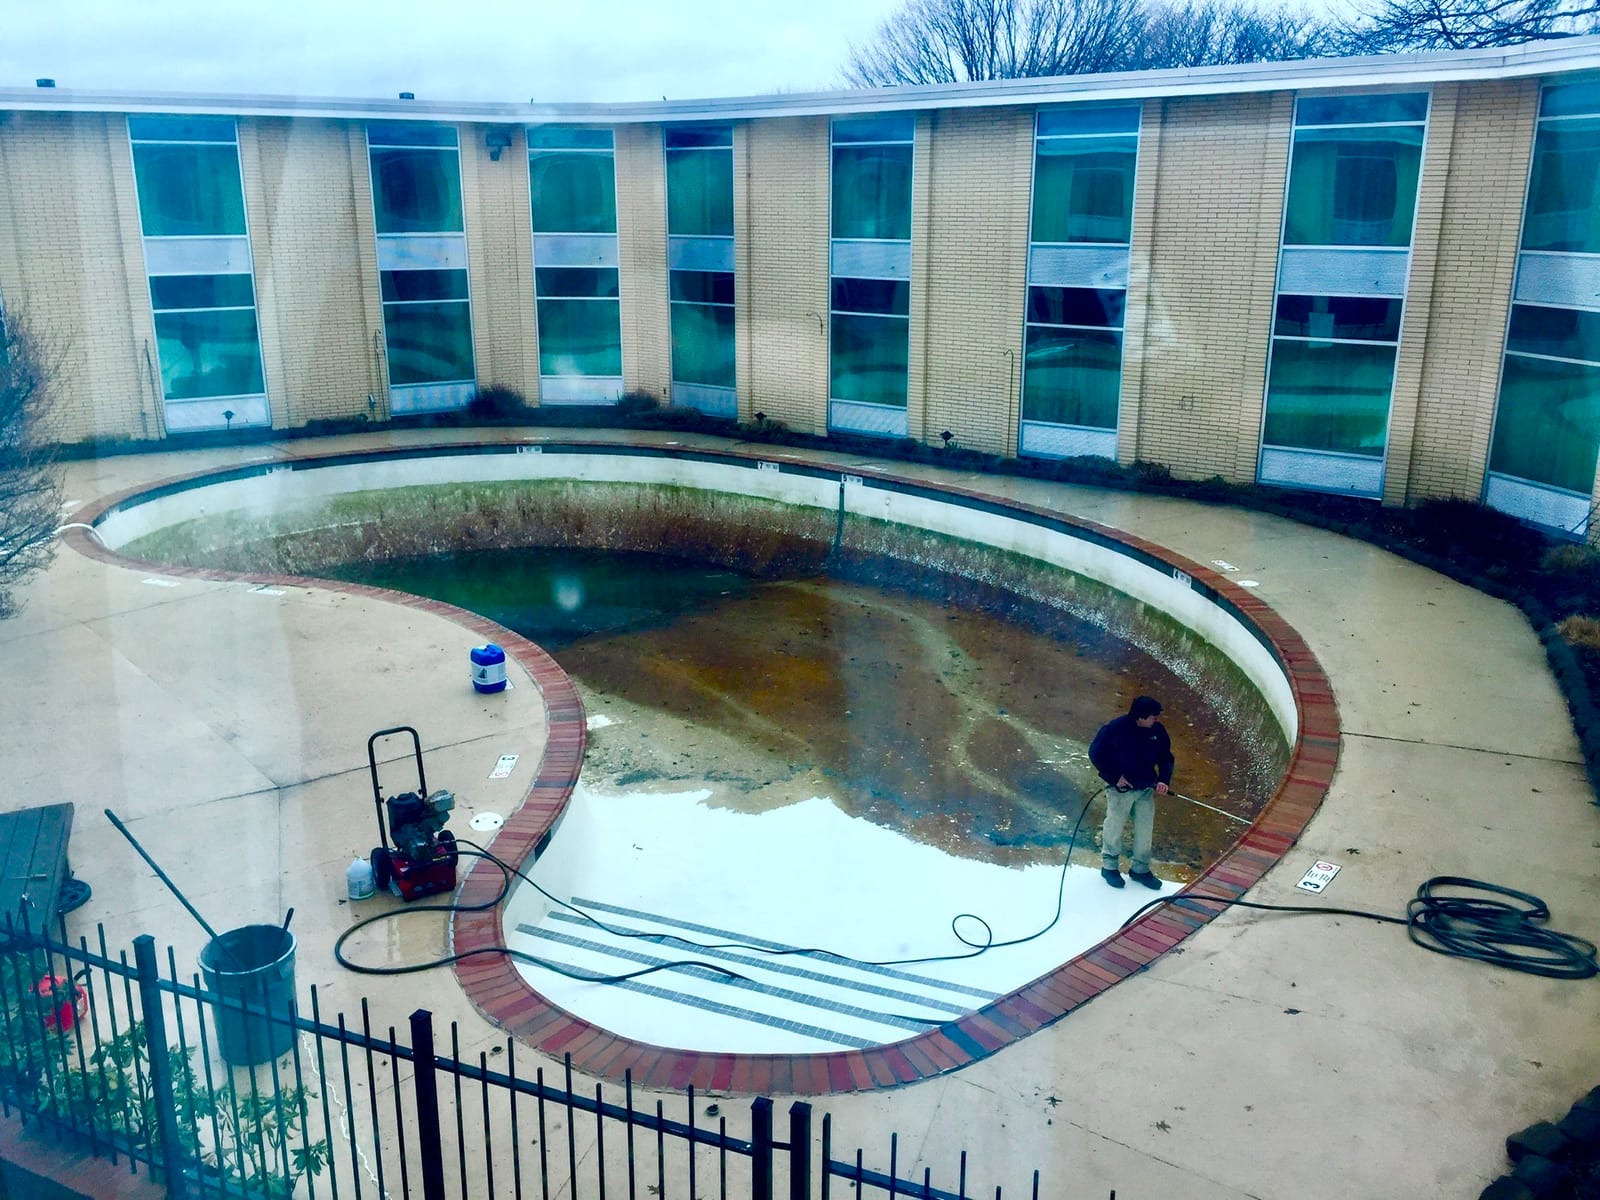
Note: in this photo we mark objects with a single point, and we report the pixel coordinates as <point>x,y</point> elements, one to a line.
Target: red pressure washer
<point>418,855</point>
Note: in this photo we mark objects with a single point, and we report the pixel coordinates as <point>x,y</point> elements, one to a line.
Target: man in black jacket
<point>1134,756</point>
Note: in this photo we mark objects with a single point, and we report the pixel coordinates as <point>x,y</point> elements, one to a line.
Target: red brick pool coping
<point>495,987</point>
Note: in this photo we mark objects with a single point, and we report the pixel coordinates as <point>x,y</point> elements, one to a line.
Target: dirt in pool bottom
<point>957,727</point>
<point>952,726</point>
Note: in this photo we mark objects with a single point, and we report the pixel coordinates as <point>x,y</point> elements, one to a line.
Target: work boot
<point>1114,878</point>
<point>1146,878</point>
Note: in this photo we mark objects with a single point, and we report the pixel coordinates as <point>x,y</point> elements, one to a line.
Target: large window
<point>1348,217</point>
<point>870,339</point>
<point>186,173</point>
<point>700,220</point>
<point>869,323</point>
<point>572,184</point>
<point>1331,373</point>
<point>1083,177</point>
<point>579,321</point>
<point>572,179</point>
<point>1083,172</point>
<point>1072,370</point>
<point>1547,424</point>
<point>1353,175</point>
<point>699,180</point>
<point>872,178</point>
<point>427,311</point>
<point>416,178</point>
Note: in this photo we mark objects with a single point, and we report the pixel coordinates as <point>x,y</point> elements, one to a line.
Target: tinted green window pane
<point>209,354</point>
<point>589,282</point>
<point>416,191</point>
<point>189,190</point>
<point>700,193</point>
<point>1564,188</point>
<point>1055,122</point>
<point>702,345</point>
<point>573,193</point>
<point>1561,332</point>
<point>889,297</point>
<point>1548,425</point>
<point>702,287</point>
<point>1083,190</point>
<point>201,291</point>
<point>1353,189</point>
<point>429,343</point>
<point>1361,110</point>
<point>580,337</point>
<point>872,192</point>
<point>1348,318</point>
<point>1072,377</point>
<point>874,129</point>
<point>182,129</point>
<point>423,285</point>
<point>693,137</point>
<point>569,137</point>
<point>1329,396</point>
<point>1076,306</point>
<point>868,357</point>
<point>1570,99</point>
<point>409,133</point>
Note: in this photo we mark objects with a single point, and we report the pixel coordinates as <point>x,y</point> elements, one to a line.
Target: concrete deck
<point>1269,1056</point>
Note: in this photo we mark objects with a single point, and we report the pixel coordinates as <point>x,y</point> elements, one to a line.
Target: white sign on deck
<point>502,768</point>
<point>1318,877</point>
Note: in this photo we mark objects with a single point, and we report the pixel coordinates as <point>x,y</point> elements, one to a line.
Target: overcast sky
<point>546,50</point>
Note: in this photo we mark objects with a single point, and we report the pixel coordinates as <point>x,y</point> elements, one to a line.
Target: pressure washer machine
<point>418,854</point>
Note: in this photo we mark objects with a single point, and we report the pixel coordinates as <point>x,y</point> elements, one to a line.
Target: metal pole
<point>800,1151</point>
<point>760,1149</point>
<point>426,1082</point>
<point>155,1033</point>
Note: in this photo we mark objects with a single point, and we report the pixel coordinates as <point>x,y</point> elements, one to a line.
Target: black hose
<point>1486,930</point>
<point>507,871</point>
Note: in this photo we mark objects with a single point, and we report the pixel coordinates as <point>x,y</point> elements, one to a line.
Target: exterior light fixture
<point>497,139</point>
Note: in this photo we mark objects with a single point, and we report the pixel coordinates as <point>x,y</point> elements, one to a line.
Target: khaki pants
<point>1141,802</point>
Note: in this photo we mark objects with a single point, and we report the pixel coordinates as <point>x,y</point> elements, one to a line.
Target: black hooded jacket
<point>1121,750</point>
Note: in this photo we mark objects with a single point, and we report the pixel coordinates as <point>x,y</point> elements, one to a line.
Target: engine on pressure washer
<point>415,822</point>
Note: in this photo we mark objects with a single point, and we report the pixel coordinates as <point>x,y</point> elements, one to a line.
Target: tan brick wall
<point>366,251</point>
<point>71,259</point>
<point>1480,222</point>
<point>1403,402</point>
<point>500,260</point>
<point>1213,253</point>
<point>1130,398</point>
<point>781,185</point>
<point>972,275</point>
<point>642,252</point>
<point>314,288</point>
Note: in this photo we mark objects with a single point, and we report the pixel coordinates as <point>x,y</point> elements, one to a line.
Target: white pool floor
<point>672,879</point>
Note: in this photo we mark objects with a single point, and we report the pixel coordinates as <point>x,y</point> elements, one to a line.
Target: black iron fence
<point>214,1091</point>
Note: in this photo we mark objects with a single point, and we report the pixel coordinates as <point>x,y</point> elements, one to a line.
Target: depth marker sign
<point>1318,877</point>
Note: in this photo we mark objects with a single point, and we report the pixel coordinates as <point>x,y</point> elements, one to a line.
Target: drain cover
<point>487,822</point>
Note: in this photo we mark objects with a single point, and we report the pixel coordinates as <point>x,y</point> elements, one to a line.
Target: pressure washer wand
<point>1203,804</point>
<point>162,875</point>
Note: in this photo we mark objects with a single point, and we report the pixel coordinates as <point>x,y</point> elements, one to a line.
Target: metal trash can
<point>251,970</point>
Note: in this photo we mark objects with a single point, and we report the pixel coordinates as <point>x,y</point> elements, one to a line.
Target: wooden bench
<point>34,869</point>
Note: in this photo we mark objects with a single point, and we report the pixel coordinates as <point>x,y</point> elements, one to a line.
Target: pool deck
<point>1269,1056</point>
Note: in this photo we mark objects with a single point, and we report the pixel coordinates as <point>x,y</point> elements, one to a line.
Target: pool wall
<point>1268,651</point>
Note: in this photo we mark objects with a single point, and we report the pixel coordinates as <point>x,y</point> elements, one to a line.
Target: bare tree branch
<point>1396,25</point>
<point>952,41</point>
<point>30,482</point>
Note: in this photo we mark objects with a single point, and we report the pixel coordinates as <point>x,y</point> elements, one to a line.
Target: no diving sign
<point>1318,877</point>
